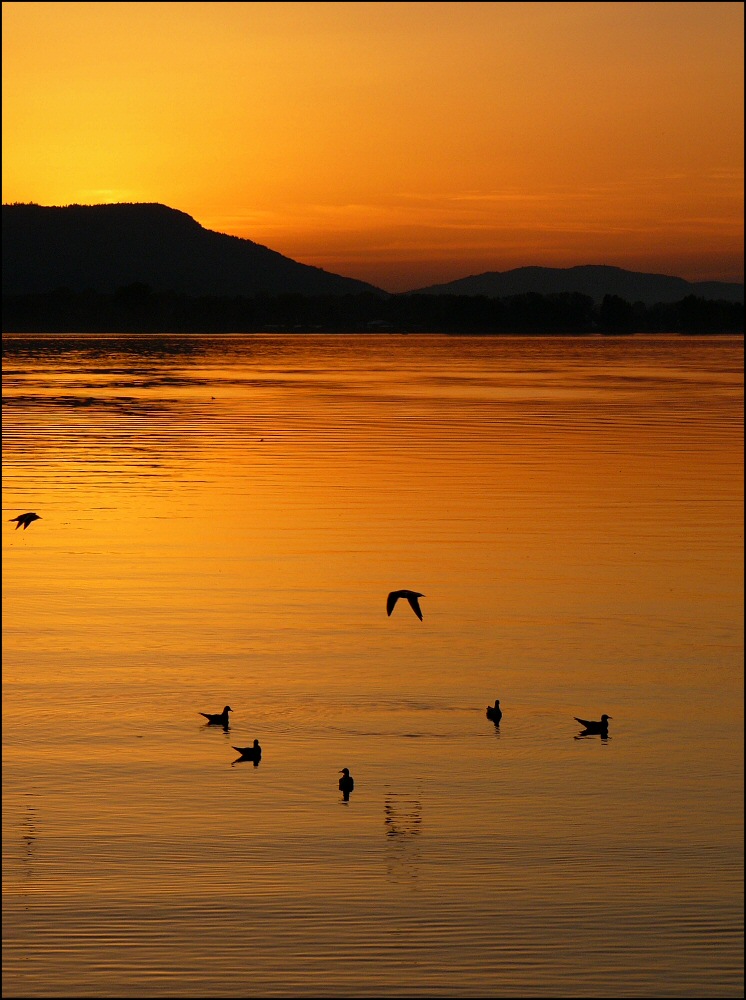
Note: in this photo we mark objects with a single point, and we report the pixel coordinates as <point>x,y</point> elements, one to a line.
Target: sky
<point>404,144</point>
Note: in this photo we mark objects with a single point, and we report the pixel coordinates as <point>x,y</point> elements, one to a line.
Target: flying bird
<point>251,753</point>
<point>221,719</point>
<point>494,712</point>
<point>25,519</point>
<point>346,782</point>
<point>601,727</point>
<point>411,595</point>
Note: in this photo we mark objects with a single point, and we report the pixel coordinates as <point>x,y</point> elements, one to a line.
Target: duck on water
<point>346,783</point>
<point>494,712</point>
<point>219,719</point>
<point>594,728</point>
<point>252,753</point>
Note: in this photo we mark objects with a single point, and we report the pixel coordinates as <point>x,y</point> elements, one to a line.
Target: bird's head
<point>605,718</point>
<point>227,709</point>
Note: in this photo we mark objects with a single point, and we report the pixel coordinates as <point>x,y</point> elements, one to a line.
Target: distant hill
<point>594,280</point>
<point>105,247</point>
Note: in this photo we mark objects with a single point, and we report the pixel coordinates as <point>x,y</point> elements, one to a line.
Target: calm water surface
<point>222,519</point>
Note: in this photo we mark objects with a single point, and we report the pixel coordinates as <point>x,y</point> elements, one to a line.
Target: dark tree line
<point>139,309</point>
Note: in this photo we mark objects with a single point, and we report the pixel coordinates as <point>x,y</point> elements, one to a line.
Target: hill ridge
<point>595,280</point>
<point>104,247</point>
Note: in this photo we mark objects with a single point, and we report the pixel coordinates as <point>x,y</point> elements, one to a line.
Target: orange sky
<point>400,143</point>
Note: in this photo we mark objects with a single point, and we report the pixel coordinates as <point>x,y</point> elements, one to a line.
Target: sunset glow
<point>400,143</point>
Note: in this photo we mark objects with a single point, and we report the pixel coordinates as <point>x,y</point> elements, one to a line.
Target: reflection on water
<point>221,522</point>
<point>29,835</point>
<point>403,821</point>
<point>243,759</point>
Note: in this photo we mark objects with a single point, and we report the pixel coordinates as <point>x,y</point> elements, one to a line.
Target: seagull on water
<point>410,595</point>
<point>25,519</point>
<point>601,727</point>
<point>494,713</point>
<point>252,753</point>
<point>346,782</point>
<point>221,719</point>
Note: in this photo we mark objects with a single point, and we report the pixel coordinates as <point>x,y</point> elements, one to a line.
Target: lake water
<point>221,521</point>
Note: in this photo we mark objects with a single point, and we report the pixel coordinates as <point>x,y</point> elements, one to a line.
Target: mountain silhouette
<point>594,280</point>
<point>102,248</point>
<point>105,248</point>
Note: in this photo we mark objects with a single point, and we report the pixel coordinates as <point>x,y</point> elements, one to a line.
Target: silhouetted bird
<point>410,595</point>
<point>25,520</point>
<point>494,713</point>
<point>346,783</point>
<point>251,753</point>
<point>601,727</point>
<point>220,719</point>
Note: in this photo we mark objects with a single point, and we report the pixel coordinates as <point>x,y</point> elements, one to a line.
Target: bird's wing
<point>583,722</point>
<point>391,601</point>
<point>413,600</point>
<point>205,715</point>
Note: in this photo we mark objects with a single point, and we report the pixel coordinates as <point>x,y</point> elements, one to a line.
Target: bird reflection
<point>252,754</point>
<point>219,719</point>
<point>494,713</point>
<point>592,728</point>
<point>25,519</point>
<point>402,816</point>
<point>29,833</point>
<point>346,784</point>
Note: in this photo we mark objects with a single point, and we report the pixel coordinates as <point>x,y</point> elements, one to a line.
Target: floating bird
<point>410,595</point>
<point>346,783</point>
<point>601,727</point>
<point>25,520</point>
<point>221,719</point>
<point>251,753</point>
<point>495,713</point>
